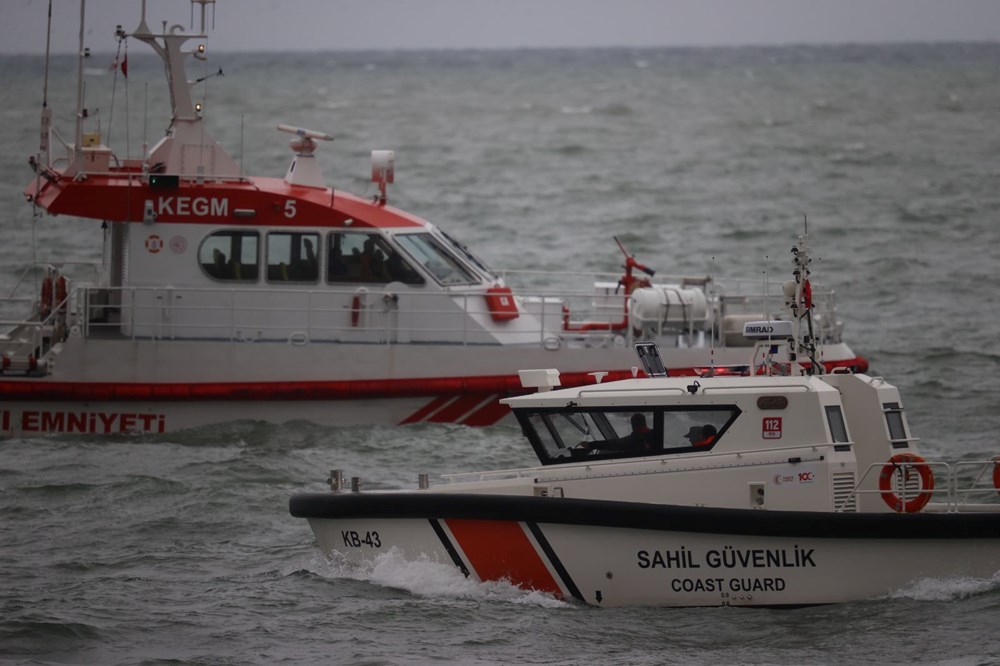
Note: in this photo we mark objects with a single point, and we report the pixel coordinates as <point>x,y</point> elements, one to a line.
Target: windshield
<point>562,435</point>
<point>432,254</point>
<point>471,257</point>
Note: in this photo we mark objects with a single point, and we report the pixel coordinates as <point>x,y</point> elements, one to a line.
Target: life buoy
<point>920,500</point>
<point>61,293</point>
<point>996,473</point>
<point>45,303</point>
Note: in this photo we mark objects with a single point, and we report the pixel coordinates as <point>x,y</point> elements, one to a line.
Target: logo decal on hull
<point>82,422</point>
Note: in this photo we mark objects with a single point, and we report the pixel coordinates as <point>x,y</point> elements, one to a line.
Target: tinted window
<point>835,418</point>
<point>360,257</point>
<point>894,420</point>
<point>291,257</point>
<point>561,435</point>
<point>231,256</point>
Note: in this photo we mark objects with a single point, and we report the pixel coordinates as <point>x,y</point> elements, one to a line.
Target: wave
<point>948,589</point>
<point>424,577</point>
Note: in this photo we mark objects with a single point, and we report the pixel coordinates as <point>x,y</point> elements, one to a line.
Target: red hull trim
<point>30,389</point>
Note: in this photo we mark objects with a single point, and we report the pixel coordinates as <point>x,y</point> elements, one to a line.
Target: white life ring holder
<point>359,302</point>
<point>920,500</point>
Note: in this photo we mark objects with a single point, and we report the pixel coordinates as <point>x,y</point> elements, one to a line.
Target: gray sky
<point>406,24</point>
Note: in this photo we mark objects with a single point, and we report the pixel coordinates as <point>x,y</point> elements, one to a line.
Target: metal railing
<point>359,314</point>
<point>960,486</point>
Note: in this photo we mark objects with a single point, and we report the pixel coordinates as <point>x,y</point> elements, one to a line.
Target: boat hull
<point>625,554</point>
<point>113,386</point>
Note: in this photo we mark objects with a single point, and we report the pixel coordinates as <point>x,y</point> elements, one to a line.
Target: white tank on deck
<point>668,307</point>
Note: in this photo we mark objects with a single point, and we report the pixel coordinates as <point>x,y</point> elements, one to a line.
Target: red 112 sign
<point>771,427</point>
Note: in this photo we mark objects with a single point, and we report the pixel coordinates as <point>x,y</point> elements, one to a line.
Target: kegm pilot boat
<point>751,490</point>
<point>222,296</point>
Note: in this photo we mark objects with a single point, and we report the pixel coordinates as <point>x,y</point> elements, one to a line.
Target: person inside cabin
<point>312,266</point>
<point>366,260</point>
<point>702,435</point>
<point>219,264</point>
<point>394,264</point>
<point>338,267</point>
<point>379,271</point>
<point>637,442</point>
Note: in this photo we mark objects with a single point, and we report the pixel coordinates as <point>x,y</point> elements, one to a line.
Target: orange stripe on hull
<point>500,550</point>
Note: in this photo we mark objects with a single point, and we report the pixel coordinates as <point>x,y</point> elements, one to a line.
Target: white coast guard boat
<point>223,296</point>
<point>754,490</point>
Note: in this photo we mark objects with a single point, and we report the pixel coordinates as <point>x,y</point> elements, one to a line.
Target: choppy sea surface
<point>180,549</point>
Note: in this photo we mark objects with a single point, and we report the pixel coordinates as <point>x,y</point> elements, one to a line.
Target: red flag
<point>125,66</point>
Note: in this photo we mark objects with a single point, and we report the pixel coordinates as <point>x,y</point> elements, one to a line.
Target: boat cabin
<point>776,442</point>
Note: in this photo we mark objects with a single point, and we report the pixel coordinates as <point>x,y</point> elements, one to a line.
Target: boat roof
<point>668,391</point>
<point>250,202</point>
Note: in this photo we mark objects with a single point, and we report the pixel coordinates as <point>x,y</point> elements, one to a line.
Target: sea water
<point>179,548</point>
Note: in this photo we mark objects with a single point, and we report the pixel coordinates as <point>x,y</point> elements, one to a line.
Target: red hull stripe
<point>491,412</point>
<point>426,410</point>
<point>500,550</point>
<point>458,408</point>
<point>29,388</point>
<point>446,387</point>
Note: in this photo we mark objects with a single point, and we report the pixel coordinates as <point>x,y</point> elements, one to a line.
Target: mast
<point>798,293</point>
<point>174,153</point>
<point>44,154</point>
<point>78,139</point>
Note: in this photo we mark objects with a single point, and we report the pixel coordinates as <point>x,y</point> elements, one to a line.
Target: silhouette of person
<point>636,442</point>
<point>701,435</point>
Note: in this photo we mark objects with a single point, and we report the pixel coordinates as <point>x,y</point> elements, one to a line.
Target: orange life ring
<point>45,304</point>
<point>996,473</point>
<point>889,470</point>
<point>61,293</point>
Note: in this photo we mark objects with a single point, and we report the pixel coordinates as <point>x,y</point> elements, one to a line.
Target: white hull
<point>624,554</point>
<point>109,386</point>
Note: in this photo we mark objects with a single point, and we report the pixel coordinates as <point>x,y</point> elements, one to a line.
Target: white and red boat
<point>223,296</point>
<point>752,490</point>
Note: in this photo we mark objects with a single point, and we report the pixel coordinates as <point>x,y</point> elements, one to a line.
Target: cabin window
<point>231,256</point>
<point>360,257</point>
<point>561,435</point>
<point>432,254</point>
<point>894,421</point>
<point>291,257</point>
<point>835,419</point>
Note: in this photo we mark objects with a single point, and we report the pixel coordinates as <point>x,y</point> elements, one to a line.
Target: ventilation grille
<point>843,486</point>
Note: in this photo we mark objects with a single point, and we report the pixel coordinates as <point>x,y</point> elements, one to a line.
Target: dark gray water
<point>180,548</point>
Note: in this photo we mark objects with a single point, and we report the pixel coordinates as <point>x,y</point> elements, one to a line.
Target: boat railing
<point>964,486</point>
<point>331,314</point>
<point>33,322</point>
<point>586,317</point>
